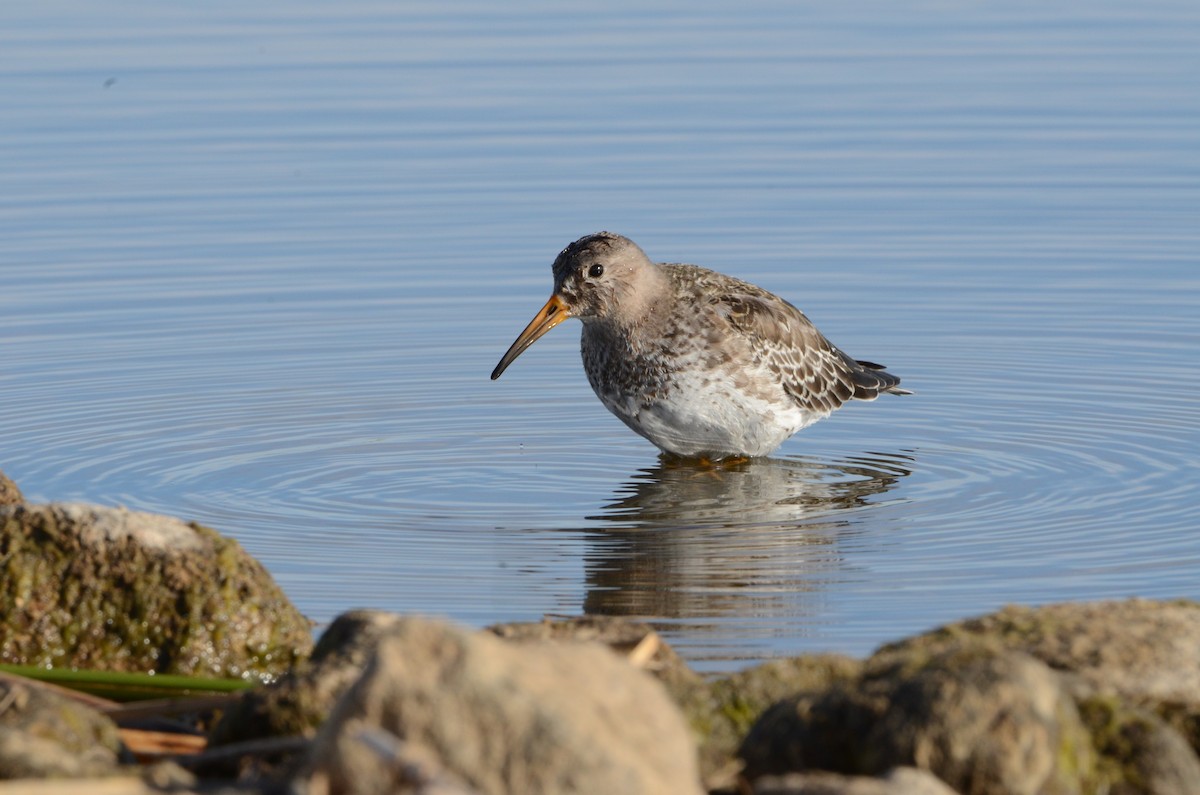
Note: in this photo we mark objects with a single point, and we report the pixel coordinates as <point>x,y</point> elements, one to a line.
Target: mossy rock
<point>1146,652</point>
<point>85,586</point>
<point>1140,754</point>
<point>9,493</point>
<point>984,719</point>
<point>299,702</point>
<point>721,712</point>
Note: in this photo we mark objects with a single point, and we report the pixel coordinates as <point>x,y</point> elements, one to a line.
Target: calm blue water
<point>257,263</point>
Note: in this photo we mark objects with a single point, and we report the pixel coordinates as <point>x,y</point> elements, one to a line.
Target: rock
<point>721,712</point>
<point>44,734</point>
<point>1142,648</point>
<point>717,712</point>
<point>1071,697</point>
<point>636,641</point>
<point>1139,753</point>
<point>121,784</point>
<point>469,711</point>
<point>983,719</point>
<point>1146,652</point>
<point>93,587</point>
<point>899,781</point>
<point>9,493</point>
<point>300,701</point>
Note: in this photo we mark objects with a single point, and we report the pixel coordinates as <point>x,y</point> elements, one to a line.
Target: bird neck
<point>643,299</point>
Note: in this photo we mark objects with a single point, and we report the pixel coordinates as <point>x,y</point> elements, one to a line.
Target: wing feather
<point>816,374</point>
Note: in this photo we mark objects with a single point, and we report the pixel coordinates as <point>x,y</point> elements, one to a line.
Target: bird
<point>703,365</point>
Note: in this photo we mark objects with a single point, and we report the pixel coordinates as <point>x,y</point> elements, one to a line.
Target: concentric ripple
<point>259,263</point>
<point>370,462</point>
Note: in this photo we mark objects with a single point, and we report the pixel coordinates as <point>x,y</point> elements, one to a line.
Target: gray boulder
<point>441,707</point>
<point>44,734</point>
<point>899,781</point>
<point>636,641</point>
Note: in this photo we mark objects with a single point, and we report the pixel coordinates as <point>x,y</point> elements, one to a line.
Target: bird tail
<point>871,380</point>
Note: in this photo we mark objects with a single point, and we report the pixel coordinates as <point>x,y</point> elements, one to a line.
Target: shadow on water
<point>698,544</point>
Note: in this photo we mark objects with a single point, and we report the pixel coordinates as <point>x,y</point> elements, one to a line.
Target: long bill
<point>554,312</point>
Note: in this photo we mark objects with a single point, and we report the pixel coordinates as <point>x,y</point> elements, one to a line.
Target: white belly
<point>713,422</point>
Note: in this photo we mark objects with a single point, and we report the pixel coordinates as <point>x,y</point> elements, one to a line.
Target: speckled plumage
<point>699,363</point>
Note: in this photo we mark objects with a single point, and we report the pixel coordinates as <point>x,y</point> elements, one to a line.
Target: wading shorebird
<point>702,364</point>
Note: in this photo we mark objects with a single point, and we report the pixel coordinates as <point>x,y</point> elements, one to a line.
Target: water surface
<point>259,261</point>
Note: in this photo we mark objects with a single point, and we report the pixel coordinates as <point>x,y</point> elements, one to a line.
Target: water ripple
<point>261,279</point>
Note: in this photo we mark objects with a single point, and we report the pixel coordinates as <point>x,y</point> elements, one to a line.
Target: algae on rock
<point>9,493</point>
<point>86,586</point>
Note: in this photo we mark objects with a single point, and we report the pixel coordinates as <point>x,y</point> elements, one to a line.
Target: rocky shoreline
<point>1097,697</point>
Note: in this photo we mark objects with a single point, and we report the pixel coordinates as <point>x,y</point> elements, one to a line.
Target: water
<point>259,261</point>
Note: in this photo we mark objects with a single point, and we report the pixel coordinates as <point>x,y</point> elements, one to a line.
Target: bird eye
<point>596,271</point>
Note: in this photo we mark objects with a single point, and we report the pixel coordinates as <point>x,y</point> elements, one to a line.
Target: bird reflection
<point>754,540</point>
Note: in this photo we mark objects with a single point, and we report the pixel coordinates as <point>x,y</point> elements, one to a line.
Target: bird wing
<point>816,374</point>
